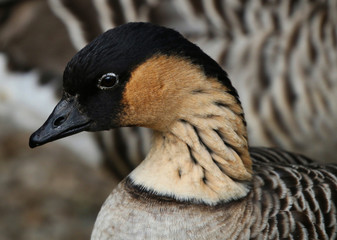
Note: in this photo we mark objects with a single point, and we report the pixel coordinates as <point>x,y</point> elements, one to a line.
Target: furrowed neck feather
<point>200,149</point>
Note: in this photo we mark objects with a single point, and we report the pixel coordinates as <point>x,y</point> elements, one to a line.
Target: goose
<point>200,179</point>
<point>287,49</point>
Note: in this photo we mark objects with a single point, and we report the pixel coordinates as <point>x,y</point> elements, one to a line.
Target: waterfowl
<point>200,179</point>
<point>287,49</point>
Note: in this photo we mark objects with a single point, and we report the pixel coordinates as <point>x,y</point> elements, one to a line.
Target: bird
<point>200,180</point>
<point>287,49</point>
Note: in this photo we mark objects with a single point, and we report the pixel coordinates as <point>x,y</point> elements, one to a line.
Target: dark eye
<point>107,81</point>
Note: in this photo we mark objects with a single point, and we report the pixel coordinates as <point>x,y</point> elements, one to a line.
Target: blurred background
<point>281,55</point>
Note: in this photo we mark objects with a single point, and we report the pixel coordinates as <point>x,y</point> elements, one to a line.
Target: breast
<point>129,213</point>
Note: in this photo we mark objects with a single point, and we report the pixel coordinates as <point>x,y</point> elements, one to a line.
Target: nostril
<point>59,121</point>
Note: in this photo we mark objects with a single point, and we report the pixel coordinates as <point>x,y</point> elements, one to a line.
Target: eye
<point>107,81</point>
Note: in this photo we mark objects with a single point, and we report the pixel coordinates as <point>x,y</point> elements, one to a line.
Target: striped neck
<point>203,157</point>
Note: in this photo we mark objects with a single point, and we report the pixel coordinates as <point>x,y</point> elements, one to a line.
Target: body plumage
<point>290,198</point>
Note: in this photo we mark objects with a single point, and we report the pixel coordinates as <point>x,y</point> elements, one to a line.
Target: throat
<point>201,159</point>
<point>200,149</point>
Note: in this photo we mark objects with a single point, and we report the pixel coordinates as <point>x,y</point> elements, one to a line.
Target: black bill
<point>65,120</point>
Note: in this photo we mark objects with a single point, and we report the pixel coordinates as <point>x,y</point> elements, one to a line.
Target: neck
<point>201,157</point>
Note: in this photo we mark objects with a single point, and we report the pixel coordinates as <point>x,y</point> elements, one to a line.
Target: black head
<point>95,78</point>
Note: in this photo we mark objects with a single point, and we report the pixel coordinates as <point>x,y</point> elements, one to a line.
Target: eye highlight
<point>107,81</point>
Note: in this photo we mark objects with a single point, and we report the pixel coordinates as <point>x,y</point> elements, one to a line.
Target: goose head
<point>128,76</point>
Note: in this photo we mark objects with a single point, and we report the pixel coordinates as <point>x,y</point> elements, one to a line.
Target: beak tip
<point>32,144</point>
<point>33,141</point>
